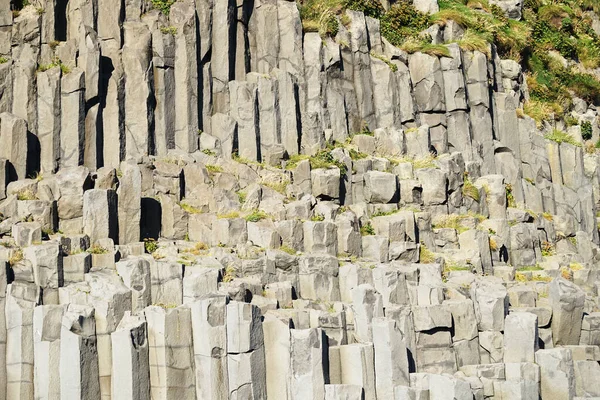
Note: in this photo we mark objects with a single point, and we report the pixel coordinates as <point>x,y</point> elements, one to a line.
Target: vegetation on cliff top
<point>554,41</point>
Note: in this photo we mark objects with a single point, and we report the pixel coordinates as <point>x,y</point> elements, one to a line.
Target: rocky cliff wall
<point>216,204</point>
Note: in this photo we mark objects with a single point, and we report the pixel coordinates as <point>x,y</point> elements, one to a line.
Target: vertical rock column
<point>290,55</point>
<point>6,21</point>
<point>288,110</point>
<point>476,77</point>
<point>264,36</point>
<point>391,360</point>
<point>113,110</point>
<point>130,203</point>
<point>312,124</point>
<point>363,84</point>
<point>209,318</point>
<point>139,116</point>
<point>307,378</point>
<point>89,61</point>
<point>222,63</point>
<point>72,132</point>
<point>135,272</point>
<point>163,49</point>
<point>100,214</point>
<point>243,102</point>
<point>276,332</point>
<point>47,322</point>
<point>21,299</point>
<point>171,353</point>
<point>25,83</point>
<point>49,96</point>
<point>567,301</point>
<point>3,333</point>
<point>130,360</point>
<point>183,18</point>
<point>204,10</point>
<point>111,300</point>
<point>268,116</point>
<point>78,354</point>
<point>245,352</point>
<point>13,133</point>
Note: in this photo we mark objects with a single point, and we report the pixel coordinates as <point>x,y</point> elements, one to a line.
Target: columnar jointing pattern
<point>187,211</point>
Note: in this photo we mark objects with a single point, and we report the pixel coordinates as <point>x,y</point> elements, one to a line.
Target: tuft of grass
<point>470,190</point>
<point>294,160</point>
<point>559,136</point>
<point>548,249</point>
<point>417,163</point>
<point>288,250</point>
<point>213,169</point>
<point>520,277</point>
<point>324,159</point>
<point>530,268</point>
<point>586,130</point>
<point>163,6</point>
<point>547,216</point>
<point>386,60</point>
<point>384,213</point>
<point>189,208</point>
<point>16,257</point>
<point>229,274</point>
<point>426,256</point>
<point>150,245</point>
<point>414,45</point>
<point>169,30</point>
<point>317,217</point>
<point>256,216</point>
<point>452,221</point>
<point>510,198</point>
<point>367,229</point>
<point>473,41</point>
<point>55,63</point>
<point>241,196</point>
<point>542,111</point>
<point>229,215</point>
<point>198,249</point>
<point>280,186</point>
<point>26,194</point>
<point>3,60</point>
<point>493,244</point>
<point>97,249</point>
<point>320,16</point>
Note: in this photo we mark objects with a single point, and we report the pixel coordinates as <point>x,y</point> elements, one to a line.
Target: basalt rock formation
<point>210,202</point>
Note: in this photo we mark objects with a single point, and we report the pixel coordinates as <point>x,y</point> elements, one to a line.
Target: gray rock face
<point>13,131</point>
<point>567,311</point>
<point>216,201</point>
<point>130,359</point>
<point>99,214</point>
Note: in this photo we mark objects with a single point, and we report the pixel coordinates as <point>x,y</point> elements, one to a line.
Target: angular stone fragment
<point>567,301</point>
<point>520,337</point>
<point>557,373</point>
<point>79,377</point>
<point>130,359</point>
